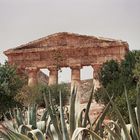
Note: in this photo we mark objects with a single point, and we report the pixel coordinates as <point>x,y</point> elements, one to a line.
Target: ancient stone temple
<point>65,50</point>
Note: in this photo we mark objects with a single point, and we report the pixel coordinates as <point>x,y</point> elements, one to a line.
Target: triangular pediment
<point>69,39</point>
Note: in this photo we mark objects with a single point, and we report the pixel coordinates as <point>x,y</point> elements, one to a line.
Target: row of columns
<point>53,75</point>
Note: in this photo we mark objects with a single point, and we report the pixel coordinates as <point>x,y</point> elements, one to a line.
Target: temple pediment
<point>67,50</point>
<point>64,39</point>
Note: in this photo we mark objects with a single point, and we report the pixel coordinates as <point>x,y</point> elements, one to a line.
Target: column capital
<point>78,66</point>
<point>32,69</point>
<point>52,68</point>
<point>96,65</point>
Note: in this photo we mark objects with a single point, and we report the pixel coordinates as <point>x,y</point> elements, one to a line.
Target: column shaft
<point>32,76</point>
<point>96,72</point>
<point>75,76</point>
<point>75,82</point>
<point>53,75</point>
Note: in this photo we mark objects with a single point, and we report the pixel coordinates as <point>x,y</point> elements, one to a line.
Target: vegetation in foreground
<point>63,123</point>
<point>10,84</point>
<point>114,76</point>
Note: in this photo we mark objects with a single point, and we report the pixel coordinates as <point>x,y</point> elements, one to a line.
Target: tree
<point>127,66</point>
<point>110,80</point>
<point>114,76</point>
<point>10,83</point>
<point>109,72</point>
<point>136,70</point>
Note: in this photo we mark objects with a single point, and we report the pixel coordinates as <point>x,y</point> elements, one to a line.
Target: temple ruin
<point>65,50</point>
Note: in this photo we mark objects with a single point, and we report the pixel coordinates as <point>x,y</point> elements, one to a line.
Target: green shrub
<point>10,84</point>
<point>114,76</point>
<point>60,123</point>
<point>54,90</point>
<point>36,94</point>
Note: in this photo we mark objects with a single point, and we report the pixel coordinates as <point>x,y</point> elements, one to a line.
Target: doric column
<point>96,71</point>
<point>75,75</point>
<point>75,81</point>
<point>32,76</point>
<point>53,75</point>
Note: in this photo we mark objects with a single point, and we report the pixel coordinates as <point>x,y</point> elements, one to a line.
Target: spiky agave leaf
<point>86,118</point>
<point>4,133</point>
<point>115,135</point>
<point>11,124</point>
<point>80,130</point>
<point>120,118</point>
<point>41,125</point>
<point>63,124</point>
<point>32,115</point>
<point>138,107</point>
<point>101,118</point>
<point>36,134</point>
<point>53,116</point>
<point>72,121</point>
<point>66,112</point>
<point>48,129</point>
<point>117,127</point>
<point>80,117</point>
<point>50,119</point>
<point>23,129</point>
<point>44,115</point>
<point>8,134</point>
<point>19,116</point>
<point>14,122</point>
<point>132,116</point>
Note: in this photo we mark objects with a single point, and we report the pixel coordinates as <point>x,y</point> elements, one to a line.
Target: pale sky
<point>22,21</point>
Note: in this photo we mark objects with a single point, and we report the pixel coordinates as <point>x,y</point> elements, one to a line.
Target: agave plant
<point>69,125</point>
<point>19,128</point>
<point>125,131</point>
<point>134,118</point>
<point>57,123</point>
<point>121,131</point>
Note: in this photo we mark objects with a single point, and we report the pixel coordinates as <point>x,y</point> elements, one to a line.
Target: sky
<point>22,21</point>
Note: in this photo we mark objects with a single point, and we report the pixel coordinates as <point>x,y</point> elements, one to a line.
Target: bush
<point>114,76</point>
<point>54,90</point>
<point>10,84</point>
<point>28,95</point>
